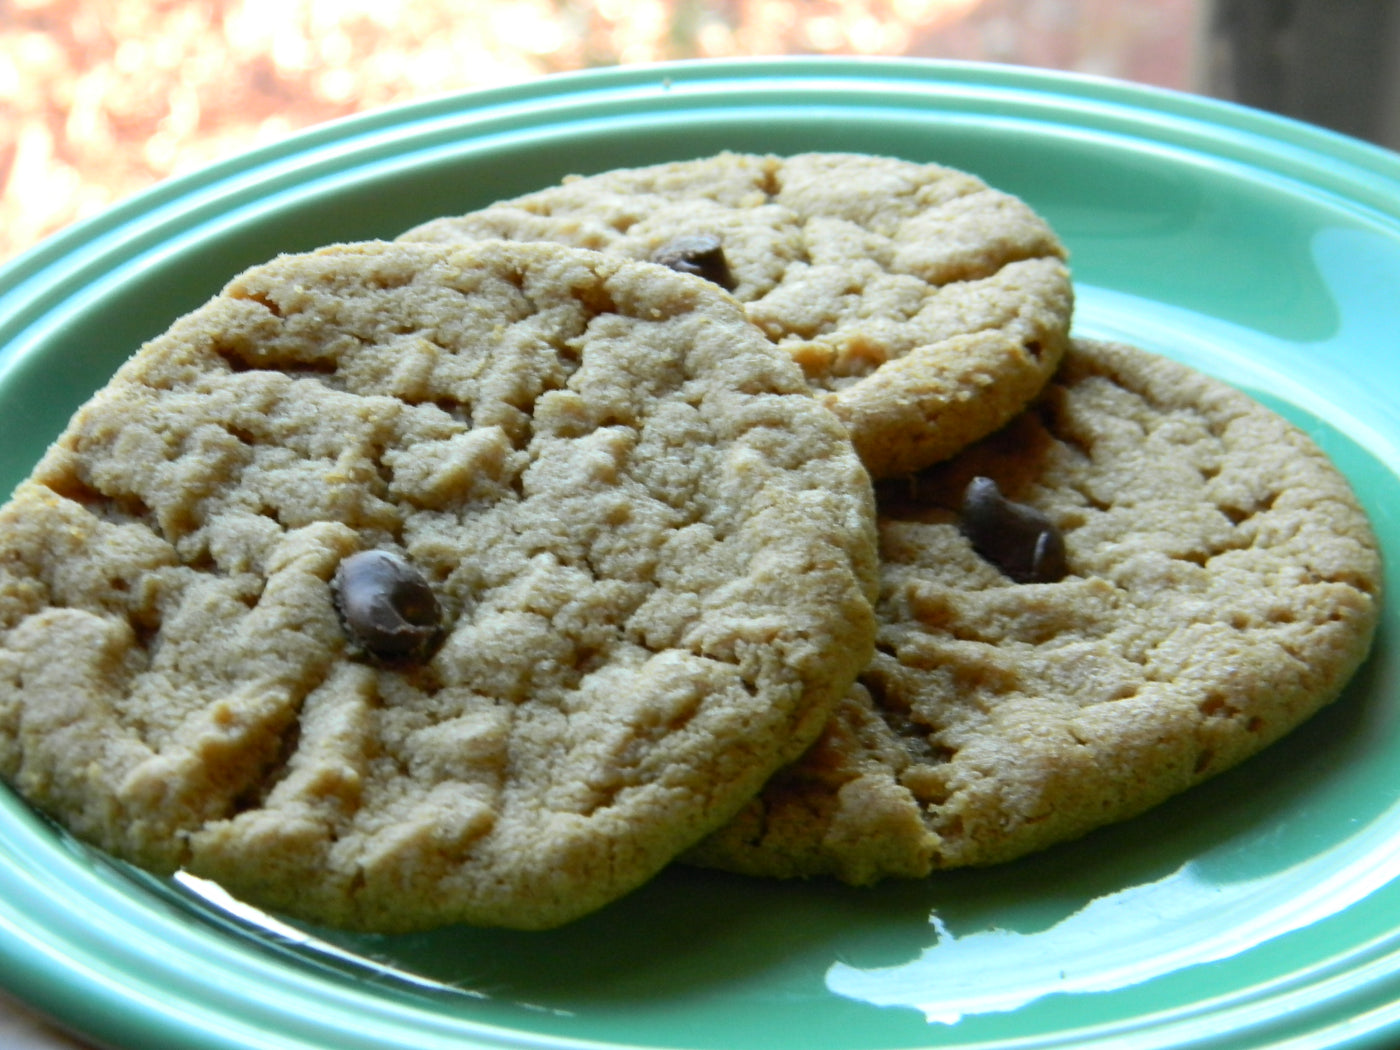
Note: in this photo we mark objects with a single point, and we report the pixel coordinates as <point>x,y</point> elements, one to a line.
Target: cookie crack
<point>255,794</point>
<point>262,299</point>
<point>117,509</point>
<point>264,777</point>
<point>240,361</point>
<point>770,183</point>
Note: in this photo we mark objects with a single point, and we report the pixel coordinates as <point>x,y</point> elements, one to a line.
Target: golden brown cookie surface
<point>624,570</point>
<point>1222,584</point>
<point>924,306</point>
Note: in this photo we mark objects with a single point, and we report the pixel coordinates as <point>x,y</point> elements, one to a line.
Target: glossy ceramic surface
<point>1261,910</point>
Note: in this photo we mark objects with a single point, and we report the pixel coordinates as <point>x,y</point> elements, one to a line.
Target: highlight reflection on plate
<point>1261,908</point>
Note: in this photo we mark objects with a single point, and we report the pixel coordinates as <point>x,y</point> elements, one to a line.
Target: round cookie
<point>925,307</point>
<point>624,571</point>
<point>1220,584</point>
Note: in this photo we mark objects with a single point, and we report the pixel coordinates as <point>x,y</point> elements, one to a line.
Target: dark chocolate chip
<point>701,254</point>
<point>387,607</point>
<point>1018,539</point>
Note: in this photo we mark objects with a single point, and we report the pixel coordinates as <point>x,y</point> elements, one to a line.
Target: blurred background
<point>102,98</point>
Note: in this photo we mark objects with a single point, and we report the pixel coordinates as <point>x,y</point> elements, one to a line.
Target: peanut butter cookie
<point>925,307</point>
<point>408,584</point>
<point>1143,580</point>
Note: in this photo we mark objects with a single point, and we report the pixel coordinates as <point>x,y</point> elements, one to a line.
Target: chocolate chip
<point>387,607</point>
<point>701,255</point>
<point>1018,539</point>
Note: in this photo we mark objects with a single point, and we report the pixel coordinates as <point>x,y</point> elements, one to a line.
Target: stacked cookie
<point>1104,577</point>
<point>924,307</point>
<point>754,512</point>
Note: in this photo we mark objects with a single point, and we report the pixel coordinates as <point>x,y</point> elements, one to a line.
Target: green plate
<point>1262,909</point>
